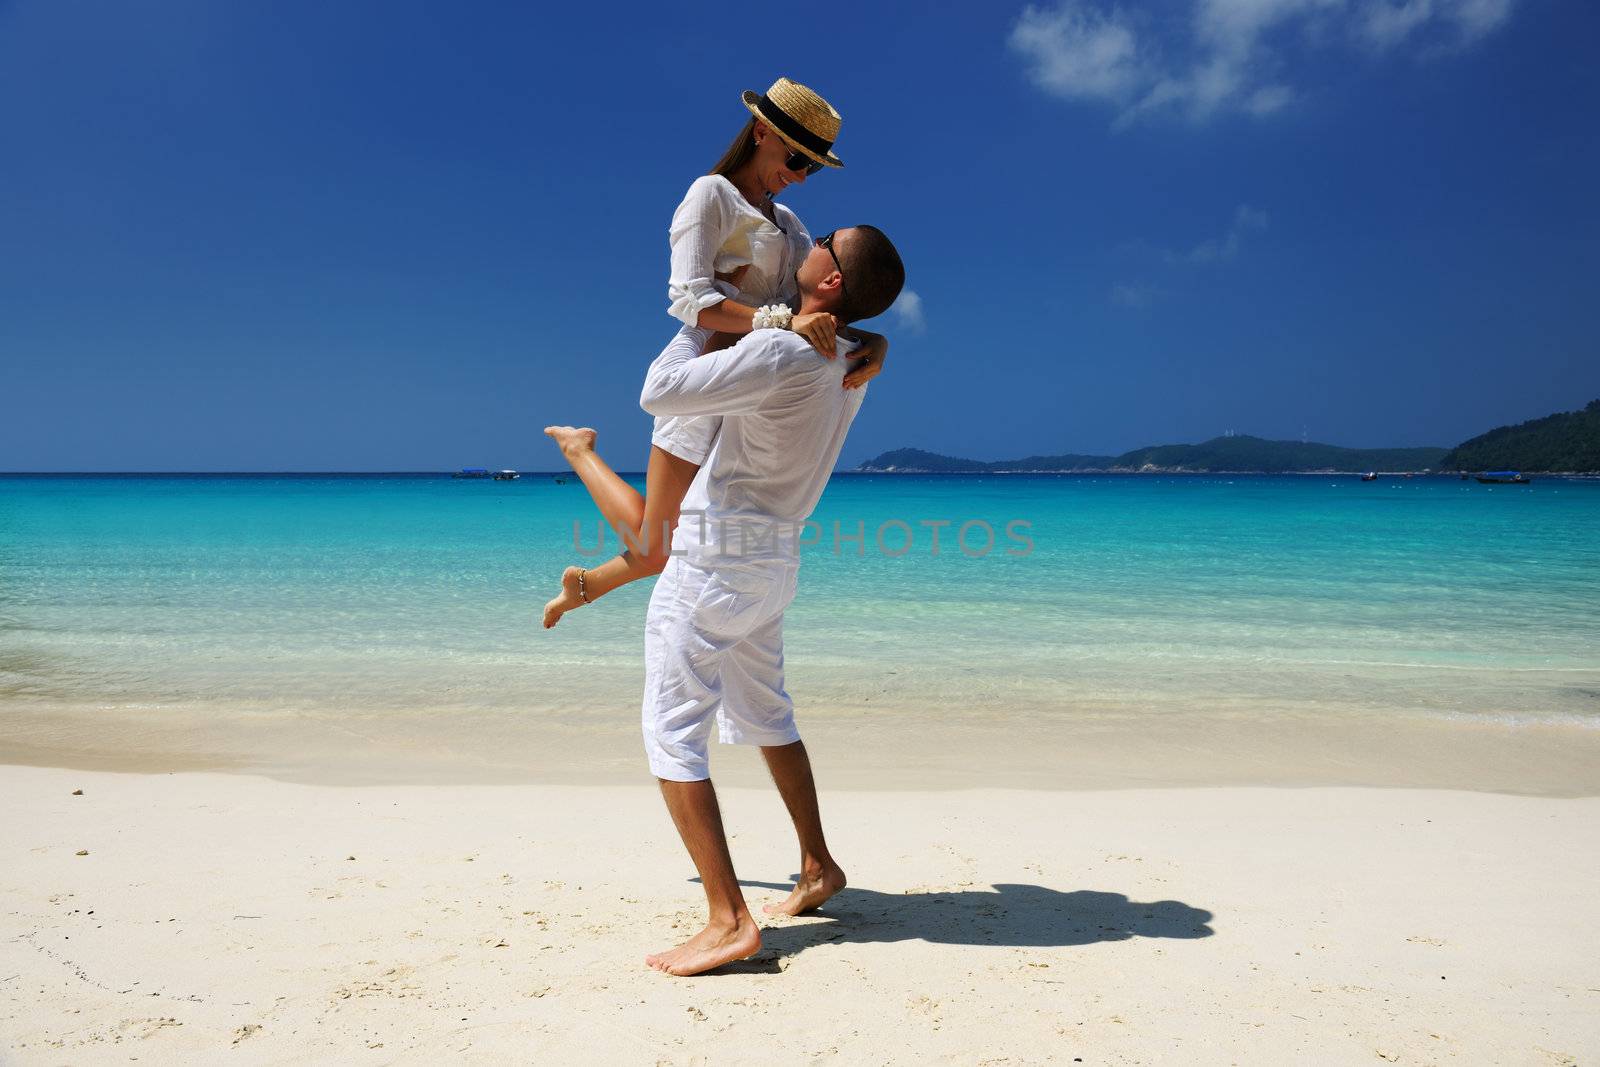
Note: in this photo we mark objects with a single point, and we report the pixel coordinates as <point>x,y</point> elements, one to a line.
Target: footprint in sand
<point>146,1028</point>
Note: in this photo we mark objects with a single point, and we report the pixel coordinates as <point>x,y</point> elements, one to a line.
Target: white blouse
<point>716,230</point>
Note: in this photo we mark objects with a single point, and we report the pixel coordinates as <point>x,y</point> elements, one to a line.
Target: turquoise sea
<point>1146,595</point>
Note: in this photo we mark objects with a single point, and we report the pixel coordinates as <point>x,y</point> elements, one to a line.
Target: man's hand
<point>818,327</point>
<point>869,359</point>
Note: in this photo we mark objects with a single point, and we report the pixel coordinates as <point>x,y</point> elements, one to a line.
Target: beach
<point>1222,770</point>
<point>1145,494</point>
<point>233,917</point>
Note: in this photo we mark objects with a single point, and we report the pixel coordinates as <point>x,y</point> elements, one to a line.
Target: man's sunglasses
<point>826,241</point>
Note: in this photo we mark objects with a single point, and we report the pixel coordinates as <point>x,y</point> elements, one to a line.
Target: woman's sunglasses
<point>799,161</point>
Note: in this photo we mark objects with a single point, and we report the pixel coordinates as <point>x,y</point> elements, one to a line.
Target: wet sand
<point>861,748</point>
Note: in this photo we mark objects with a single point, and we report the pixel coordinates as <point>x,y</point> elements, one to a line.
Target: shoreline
<point>867,748</point>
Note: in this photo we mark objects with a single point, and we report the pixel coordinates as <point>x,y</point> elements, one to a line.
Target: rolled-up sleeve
<point>733,381</point>
<point>699,226</point>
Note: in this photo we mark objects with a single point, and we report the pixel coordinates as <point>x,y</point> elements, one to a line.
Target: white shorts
<point>713,644</point>
<point>686,436</point>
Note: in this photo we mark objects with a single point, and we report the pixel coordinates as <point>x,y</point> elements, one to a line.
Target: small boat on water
<point>506,476</point>
<point>1370,476</point>
<point>471,472</point>
<point>1503,478</point>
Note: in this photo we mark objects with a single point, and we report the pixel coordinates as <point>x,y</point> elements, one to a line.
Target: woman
<point>734,254</point>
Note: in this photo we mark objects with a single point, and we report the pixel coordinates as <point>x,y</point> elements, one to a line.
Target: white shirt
<point>784,414</point>
<point>715,230</point>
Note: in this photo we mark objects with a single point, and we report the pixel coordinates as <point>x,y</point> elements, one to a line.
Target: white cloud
<point>907,309</point>
<point>1477,18</point>
<point>1235,26</point>
<point>1385,24</point>
<point>1224,249</point>
<point>1229,55</point>
<point>1269,98</point>
<point>1211,252</point>
<point>1134,295</point>
<point>1079,52</point>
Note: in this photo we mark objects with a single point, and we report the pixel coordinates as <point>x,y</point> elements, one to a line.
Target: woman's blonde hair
<point>739,152</point>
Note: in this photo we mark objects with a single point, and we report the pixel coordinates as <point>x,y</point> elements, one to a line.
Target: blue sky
<point>401,235</point>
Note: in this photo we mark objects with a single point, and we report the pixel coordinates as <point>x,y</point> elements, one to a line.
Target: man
<point>714,630</point>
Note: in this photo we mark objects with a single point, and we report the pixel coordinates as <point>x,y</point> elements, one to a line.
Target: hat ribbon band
<point>787,126</point>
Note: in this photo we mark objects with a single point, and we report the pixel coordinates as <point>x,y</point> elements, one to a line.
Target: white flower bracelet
<point>771,317</point>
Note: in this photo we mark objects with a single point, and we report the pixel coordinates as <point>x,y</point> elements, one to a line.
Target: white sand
<point>217,919</point>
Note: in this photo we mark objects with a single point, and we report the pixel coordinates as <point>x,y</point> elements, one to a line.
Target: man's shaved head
<point>873,272</point>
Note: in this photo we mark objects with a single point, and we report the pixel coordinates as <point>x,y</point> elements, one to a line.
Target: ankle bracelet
<point>583,594</point>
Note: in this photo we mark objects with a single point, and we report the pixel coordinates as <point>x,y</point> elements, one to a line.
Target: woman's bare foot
<point>813,888</point>
<point>572,439</point>
<point>710,949</point>
<point>567,600</point>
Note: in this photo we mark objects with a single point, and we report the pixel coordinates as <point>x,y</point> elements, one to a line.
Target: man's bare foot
<point>572,439</point>
<point>567,600</point>
<point>710,949</point>
<point>813,888</point>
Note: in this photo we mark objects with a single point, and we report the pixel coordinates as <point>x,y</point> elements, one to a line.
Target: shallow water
<point>1210,596</point>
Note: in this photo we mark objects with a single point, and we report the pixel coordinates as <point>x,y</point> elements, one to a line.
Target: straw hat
<point>800,117</point>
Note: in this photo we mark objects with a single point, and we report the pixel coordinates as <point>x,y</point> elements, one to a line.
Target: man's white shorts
<point>713,646</point>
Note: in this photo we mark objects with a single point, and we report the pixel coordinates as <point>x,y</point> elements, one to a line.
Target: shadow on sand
<point>1014,915</point>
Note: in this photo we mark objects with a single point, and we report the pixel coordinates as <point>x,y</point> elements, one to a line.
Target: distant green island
<point>1562,443</point>
<point>1567,442</point>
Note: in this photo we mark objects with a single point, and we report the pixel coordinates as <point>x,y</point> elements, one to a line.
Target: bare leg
<point>647,535</point>
<point>667,476</point>
<point>666,480</point>
<point>730,932</point>
<point>620,503</point>
<point>820,876</point>
<point>598,581</point>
